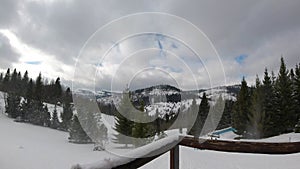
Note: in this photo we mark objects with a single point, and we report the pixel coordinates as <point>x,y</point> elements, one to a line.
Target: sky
<point>68,39</point>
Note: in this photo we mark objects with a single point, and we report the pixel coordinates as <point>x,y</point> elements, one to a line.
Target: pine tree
<point>257,120</point>
<point>91,121</point>
<point>45,116</point>
<point>25,81</point>
<point>76,132</point>
<point>67,109</point>
<point>191,116</point>
<point>215,115</point>
<point>201,117</point>
<point>39,116</point>
<point>124,125</point>
<point>57,91</point>
<point>13,82</point>
<point>6,81</point>
<point>19,89</point>
<point>157,123</point>
<point>12,107</point>
<point>284,103</point>
<point>297,91</point>
<point>227,115</point>
<point>268,104</point>
<point>242,109</point>
<point>27,104</point>
<point>142,132</point>
<point>38,92</point>
<point>1,81</point>
<point>54,120</point>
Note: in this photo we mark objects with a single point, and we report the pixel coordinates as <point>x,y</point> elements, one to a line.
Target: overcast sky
<point>47,36</point>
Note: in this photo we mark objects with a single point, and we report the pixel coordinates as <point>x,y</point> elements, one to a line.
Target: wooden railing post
<point>174,157</point>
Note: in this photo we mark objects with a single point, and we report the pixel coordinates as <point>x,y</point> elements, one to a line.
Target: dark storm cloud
<point>7,53</point>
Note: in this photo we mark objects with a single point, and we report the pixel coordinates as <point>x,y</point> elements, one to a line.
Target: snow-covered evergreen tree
<point>76,132</point>
<point>54,120</point>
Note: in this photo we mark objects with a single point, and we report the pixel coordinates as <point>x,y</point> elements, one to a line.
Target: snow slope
<point>25,146</point>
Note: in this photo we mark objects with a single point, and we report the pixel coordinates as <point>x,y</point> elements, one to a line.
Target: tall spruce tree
<point>54,119</point>
<point>268,104</point>
<point>67,109</point>
<point>76,132</point>
<point>242,109</point>
<point>6,81</point>
<point>201,117</point>
<point>28,104</point>
<point>285,120</point>
<point>124,125</point>
<point>297,91</point>
<point>142,132</point>
<point>25,81</point>
<point>257,120</point>
<point>191,116</point>
<point>57,91</point>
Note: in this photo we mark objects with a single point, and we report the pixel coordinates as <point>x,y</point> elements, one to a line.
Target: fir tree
<point>12,107</point>
<point>285,120</point>
<point>27,104</point>
<point>257,118</point>
<point>57,91</point>
<point>157,123</point>
<point>242,109</point>
<point>67,109</point>
<point>76,132</point>
<point>25,81</point>
<point>297,91</point>
<point>268,104</point>
<point>45,117</point>
<point>142,132</point>
<point>6,81</point>
<point>191,115</point>
<point>1,81</point>
<point>54,120</point>
<point>215,115</point>
<point>201,117</point>
<point>227,115</point>
<point>124,125</point>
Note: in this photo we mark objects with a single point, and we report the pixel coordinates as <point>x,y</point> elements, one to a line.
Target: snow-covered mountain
<point>164,99</point>
<point>162,93</point>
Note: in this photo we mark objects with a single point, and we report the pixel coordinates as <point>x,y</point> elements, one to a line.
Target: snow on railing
<point>156,148</point>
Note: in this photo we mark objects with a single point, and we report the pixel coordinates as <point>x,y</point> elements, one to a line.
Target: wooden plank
<point>174,157</point>
<point>242,146</point>
<point>217,145</point>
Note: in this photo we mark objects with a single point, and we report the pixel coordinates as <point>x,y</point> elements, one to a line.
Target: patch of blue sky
<point>33,62</point>
<point>241,58</point>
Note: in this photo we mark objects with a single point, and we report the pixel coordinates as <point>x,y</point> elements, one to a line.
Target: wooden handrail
<point>217,145</point>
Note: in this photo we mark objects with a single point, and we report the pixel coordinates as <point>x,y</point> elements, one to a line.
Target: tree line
<point>270,107</point>
<point>26,98</point>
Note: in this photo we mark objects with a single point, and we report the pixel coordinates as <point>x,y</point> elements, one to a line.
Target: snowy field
<point>25,146</point>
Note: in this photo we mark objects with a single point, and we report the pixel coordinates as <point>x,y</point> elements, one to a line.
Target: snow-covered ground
<point>25,146</point>
<point>289,137</point>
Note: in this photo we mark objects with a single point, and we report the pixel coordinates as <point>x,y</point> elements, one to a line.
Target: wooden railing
<point>218,145</point>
